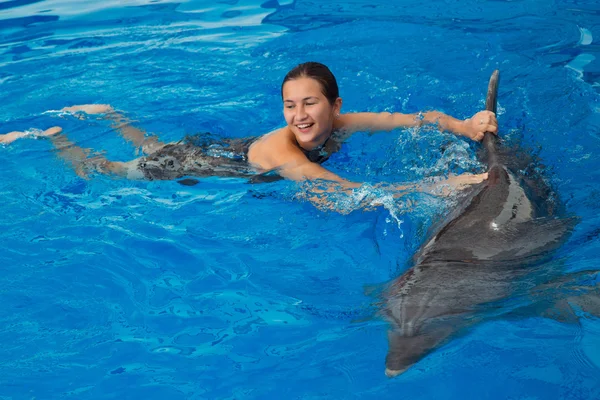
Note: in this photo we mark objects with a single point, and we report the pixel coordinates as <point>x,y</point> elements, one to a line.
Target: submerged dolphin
<point>487,252</point>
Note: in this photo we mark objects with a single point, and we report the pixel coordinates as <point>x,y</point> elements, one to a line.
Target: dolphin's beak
<point>390,373</point>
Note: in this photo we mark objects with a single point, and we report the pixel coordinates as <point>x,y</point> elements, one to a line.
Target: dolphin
<point>504,233</point>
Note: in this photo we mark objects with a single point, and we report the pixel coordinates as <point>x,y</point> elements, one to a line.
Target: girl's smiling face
<point>307,111</point>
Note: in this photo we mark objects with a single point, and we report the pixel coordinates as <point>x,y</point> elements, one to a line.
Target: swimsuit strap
<point>318,154</point>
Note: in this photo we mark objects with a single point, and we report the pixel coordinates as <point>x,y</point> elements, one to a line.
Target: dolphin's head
<point>404,351</point>
<point>412,307</point>
<point>392,373</point>
<point>424,307</point>
<point>402,354</point>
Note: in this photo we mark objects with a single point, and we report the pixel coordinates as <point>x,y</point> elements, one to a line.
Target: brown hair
<point>320,73</point>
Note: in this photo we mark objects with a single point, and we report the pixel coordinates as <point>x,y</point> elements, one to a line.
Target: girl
<point>315,128</point>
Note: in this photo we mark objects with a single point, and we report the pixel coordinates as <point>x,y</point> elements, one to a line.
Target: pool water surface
<point>124,289</point>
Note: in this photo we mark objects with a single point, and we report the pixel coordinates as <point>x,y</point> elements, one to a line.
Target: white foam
<point>586,37</point>
<point>579,62</point>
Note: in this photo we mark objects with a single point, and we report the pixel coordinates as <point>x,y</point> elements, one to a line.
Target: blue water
<point>226,290</point>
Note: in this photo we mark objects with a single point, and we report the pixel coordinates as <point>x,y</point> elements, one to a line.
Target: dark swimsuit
<point>204,155</point>
<point>200,156</point>
<point>319,154</point>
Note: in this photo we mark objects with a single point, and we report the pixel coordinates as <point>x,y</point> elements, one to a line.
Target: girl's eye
<point>289,107</point>
<point>310,104</point>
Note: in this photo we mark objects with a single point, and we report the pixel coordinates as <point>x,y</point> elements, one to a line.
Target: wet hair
<point>320,73</point>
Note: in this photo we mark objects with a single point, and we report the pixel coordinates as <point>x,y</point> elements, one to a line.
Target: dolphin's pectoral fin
<point>571,309</point>
<point>588,303</point>
<point>565,299</point>
<point>405,351</point>
<point>374,290</point>
<point>558,309</point>
<point>580,295</point>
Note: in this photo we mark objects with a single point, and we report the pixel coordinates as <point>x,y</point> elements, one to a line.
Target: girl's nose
<point>300,113</point>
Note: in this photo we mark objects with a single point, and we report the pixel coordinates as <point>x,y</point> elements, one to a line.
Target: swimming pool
<point>225,290</point>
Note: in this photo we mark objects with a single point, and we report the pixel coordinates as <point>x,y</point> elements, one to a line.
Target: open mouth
<point>303,127</point>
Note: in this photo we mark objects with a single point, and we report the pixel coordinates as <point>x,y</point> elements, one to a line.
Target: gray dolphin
<point>487,252</point>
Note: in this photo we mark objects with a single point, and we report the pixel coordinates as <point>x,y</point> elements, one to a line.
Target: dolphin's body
<point>486,253</point>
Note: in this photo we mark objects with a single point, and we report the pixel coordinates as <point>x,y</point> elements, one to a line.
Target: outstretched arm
<point>473,128</point>
<point>329,183</point>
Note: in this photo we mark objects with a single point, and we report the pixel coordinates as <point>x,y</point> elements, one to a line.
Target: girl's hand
<point>478,124</point>
<point>455,183</point>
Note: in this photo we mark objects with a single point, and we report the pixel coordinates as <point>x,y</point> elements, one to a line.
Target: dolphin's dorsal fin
<point>490,140</point>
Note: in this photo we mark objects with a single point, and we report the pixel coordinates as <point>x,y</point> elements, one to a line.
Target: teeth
<point>303,126</point>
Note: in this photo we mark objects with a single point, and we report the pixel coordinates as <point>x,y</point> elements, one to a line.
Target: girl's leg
<point>12,136</point>
<point>79,159</point>
<point>122,125</point>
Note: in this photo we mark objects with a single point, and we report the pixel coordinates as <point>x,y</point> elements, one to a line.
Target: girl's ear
<point>337,106</point>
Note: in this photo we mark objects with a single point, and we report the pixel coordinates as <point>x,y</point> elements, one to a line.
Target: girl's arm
<point>473,128</point>
<point>298,168</point>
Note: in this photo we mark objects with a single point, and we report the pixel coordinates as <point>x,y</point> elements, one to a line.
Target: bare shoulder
<point>273,150</point>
